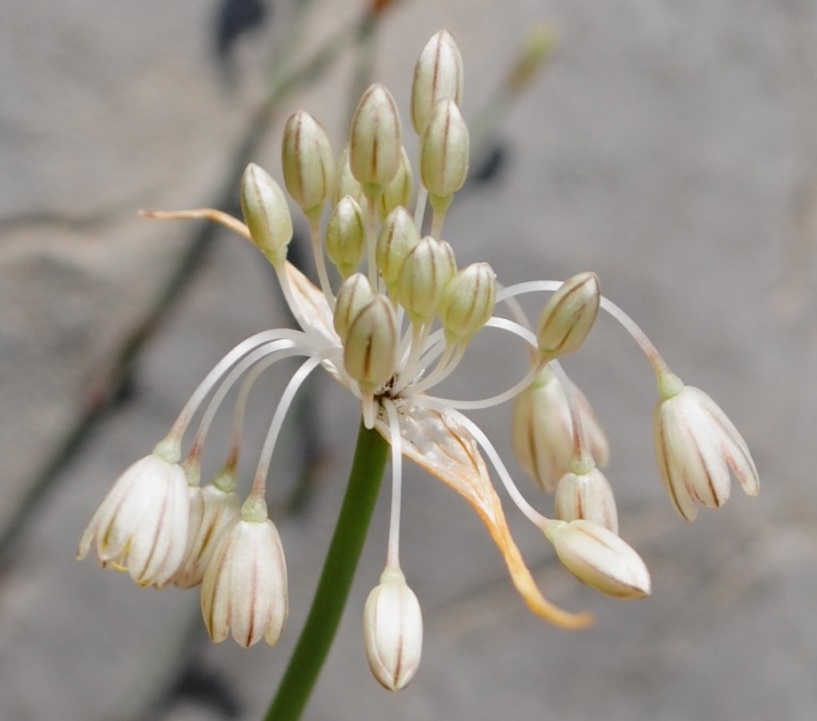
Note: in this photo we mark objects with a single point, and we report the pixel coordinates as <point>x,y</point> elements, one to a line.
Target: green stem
<point>336,578</point>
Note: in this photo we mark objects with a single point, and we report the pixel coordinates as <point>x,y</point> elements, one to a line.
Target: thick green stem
<point>336,578</point>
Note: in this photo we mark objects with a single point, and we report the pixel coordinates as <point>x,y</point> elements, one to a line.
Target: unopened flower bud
<point>599,558</point>
<point>375,143</point>
<point>244,591</point>
<point>398,237</point>
<point>437,75</point>
<point>393,631</point>
<point>370,348</point>
<point>423,277</point>
<point>266,213</point>
<point>588,496</point>
<point>307,162</point>
<point>399,189</point>
<point>347,184</point>
<point>696,445</point>
<point>468,302</point>
<point>346,236</point>
<point>354,294</point>
<point>444,153</point>
<point>543,431</point>
<point>569,315</point>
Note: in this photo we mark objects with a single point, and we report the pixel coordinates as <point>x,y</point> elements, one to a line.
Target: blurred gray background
<point>670,147</point>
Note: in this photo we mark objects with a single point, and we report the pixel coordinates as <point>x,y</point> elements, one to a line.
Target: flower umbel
<point>399,324</point>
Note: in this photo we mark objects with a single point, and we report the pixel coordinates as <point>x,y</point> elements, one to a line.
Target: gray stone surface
<point>670,148</point>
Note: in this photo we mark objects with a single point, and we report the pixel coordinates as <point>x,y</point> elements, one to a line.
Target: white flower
<point>219,514</point>
<point>244,590</point>
<point>587,495</point>
<point>142,524</point>
<point>543,432</point>
<point>599,558</point>
<point>696,445</point>
<point>393,631</point>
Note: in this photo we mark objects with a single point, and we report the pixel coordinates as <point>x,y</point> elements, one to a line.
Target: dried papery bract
<point>266,213</point>
<point>393,631</point>
<point>437,75</point>
<point>599,558</point>
<point>569,315</point>
<point>696,445</point>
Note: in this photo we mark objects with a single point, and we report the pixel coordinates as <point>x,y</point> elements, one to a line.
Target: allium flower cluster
<point>392,318</point>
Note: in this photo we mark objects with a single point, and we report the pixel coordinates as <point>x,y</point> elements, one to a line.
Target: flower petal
<point>735,449</point>
<point>445,449</point>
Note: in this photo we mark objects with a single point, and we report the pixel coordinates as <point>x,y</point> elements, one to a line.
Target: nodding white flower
<point>599,558</point>
<point>393,631</point>
<point>244,591</point>
<point>588,495</point>
<point>543,430</point>
<point>218,515</point>
<point>398,326</point>
<point>142,525</point>
<point>697,445</point>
